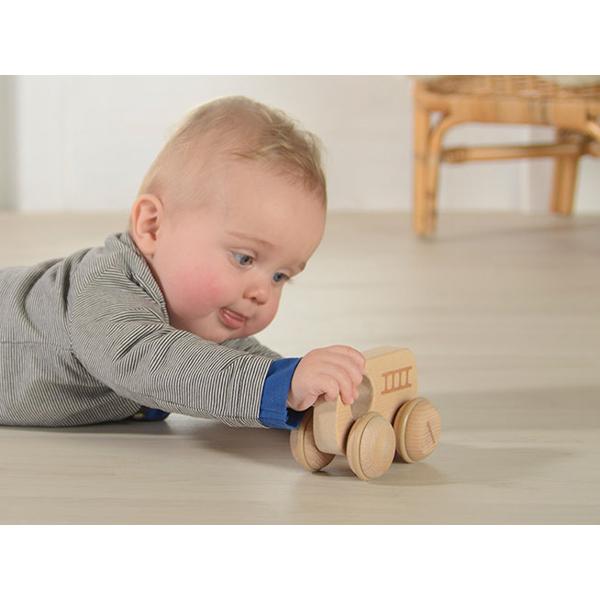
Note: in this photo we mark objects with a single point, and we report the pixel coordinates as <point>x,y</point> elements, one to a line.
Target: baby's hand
<point>330,372</point>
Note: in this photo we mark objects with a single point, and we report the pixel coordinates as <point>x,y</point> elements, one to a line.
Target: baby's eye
<point>243,260</point>
<point>284,277</point>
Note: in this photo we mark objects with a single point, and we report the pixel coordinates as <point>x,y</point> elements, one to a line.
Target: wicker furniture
<point>574,111</point>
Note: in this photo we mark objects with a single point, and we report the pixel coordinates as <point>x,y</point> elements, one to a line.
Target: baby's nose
<point>258,292</point>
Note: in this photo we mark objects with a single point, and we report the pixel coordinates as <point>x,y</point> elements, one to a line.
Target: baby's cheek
<point>201,292</point>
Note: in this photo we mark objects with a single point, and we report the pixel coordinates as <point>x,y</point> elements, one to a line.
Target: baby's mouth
<point>231,319</point>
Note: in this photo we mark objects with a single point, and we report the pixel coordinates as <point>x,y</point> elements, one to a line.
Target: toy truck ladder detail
<point>398,379</point>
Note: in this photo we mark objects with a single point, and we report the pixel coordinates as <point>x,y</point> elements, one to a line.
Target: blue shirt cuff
<point>274,411</point>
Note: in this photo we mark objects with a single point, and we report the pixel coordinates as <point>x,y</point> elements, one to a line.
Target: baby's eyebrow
<point>251,238</point>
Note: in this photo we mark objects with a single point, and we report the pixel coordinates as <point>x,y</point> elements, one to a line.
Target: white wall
<point>84,143</point>
<point>7,167</point>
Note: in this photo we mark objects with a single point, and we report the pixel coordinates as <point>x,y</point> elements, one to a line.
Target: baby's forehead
<point>213,170</point>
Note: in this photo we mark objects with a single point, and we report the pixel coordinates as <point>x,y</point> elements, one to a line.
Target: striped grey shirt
<point>86,339</point>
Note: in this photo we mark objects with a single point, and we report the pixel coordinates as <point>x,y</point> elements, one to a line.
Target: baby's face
<point>222,269</point>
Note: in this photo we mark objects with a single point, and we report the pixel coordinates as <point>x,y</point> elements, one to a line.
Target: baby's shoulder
<point>116,269</point>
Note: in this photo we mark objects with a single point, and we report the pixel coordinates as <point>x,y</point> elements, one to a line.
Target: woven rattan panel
<point>524,86</point>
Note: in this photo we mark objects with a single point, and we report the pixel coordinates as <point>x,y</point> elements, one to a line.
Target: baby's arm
<point>274,409</point>
<point>252,345</point>
<point>120,335</point>
<point>294,384</point>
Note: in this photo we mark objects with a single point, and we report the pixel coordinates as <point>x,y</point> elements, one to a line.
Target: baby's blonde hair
<point>243,128</point>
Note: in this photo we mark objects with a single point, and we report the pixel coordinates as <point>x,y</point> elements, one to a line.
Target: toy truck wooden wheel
<point>371,446</point>
<point>303,446</point>
<point>417,426</point>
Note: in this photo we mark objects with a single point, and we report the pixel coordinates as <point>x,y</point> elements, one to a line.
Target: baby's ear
<point>146,219</point>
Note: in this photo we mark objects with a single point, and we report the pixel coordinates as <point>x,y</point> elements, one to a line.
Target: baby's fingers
<point>353,354</point>
<point>345,382</point>
<point>344,368</point>
<point>330,389</point>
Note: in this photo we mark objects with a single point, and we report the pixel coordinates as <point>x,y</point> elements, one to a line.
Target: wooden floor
<point>503,315</point>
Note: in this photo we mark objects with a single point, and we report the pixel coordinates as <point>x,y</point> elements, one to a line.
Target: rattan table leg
<point>421,223</point>
<point>432,173</point>
<point>565,175</point>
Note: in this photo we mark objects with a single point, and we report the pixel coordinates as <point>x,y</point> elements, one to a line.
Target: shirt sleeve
<point>274,411</point>
<point>119,334</point>
<point>253,346</point>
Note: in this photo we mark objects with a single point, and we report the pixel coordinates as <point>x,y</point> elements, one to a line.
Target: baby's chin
<point>213,330</point>
<point>219,339</point>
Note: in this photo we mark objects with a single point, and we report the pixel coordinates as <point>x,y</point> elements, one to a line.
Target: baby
<point>162,318</point>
